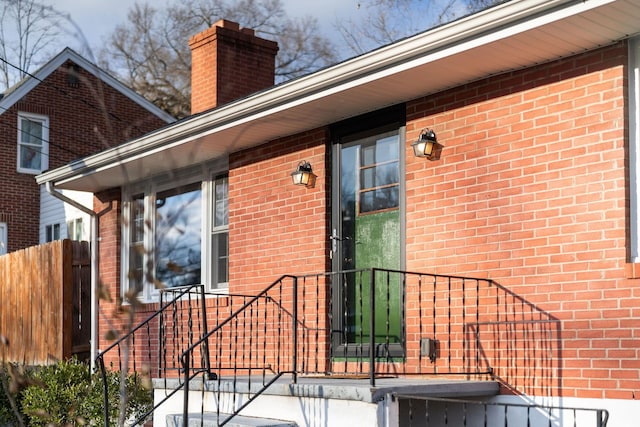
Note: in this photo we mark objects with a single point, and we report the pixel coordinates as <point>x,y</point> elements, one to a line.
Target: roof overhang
<point>514,35</point>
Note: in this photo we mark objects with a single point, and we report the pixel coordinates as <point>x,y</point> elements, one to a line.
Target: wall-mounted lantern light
<point>427,145</point>
<point>303,175</point>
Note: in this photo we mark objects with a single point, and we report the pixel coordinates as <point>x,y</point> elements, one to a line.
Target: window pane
<point>31,132</point>
<point>30,158</point>
<point>379,175</point>
<point>52,232</point>
<point>178,236</point>
<point>379,199</point>
<point>221,202</point>
<point>220,258</point>
<point>136,246</point>
<point>220,234</point>
<point>382,150</point>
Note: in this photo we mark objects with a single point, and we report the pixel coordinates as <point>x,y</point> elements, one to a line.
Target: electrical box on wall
<point>429,347</point>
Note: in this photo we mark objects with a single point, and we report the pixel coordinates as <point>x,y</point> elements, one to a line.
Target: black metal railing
<point>257,344</point>
<point>374,322</point>
<point>362,323</point>
<point>152,348</point>
<point>433,411</point>
<point>147,348</point>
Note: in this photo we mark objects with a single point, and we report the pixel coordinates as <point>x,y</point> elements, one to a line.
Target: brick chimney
<point>228,63</point>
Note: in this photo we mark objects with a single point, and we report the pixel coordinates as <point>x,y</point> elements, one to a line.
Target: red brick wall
<point>82,120</point>
<point>531,191</point>
<point>275,227</point>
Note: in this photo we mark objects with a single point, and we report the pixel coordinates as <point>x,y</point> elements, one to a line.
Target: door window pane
<point>379,175</point>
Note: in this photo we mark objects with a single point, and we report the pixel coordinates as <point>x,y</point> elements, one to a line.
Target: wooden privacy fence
<point>45,302</point>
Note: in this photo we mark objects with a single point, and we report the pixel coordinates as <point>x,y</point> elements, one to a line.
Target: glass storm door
<point>366,233</point>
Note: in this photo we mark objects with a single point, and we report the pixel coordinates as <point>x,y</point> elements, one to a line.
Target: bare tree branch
<point>380,22</point>
<point>150,51</point>
<point>28,30</point>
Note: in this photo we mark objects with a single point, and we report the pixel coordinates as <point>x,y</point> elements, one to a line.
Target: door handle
<point>335,238</point>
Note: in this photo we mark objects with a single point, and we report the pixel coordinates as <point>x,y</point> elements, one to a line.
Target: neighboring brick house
<point>64,111</point>
<point>535,193</point>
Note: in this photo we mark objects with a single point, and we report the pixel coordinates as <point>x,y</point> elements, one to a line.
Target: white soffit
<point>512,36</point>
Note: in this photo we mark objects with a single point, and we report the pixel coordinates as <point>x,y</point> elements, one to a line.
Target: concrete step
<point>210,419</point>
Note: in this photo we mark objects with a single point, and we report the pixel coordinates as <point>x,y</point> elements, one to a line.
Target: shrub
<point>68,394</point>
<point>9,397</point>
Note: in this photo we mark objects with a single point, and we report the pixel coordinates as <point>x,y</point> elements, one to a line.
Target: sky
<point>97,18</point>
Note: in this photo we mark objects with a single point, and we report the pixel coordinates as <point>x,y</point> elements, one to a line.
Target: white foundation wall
<point>304,411</point>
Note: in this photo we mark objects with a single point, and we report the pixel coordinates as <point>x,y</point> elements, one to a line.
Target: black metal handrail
<point>248,306</point>
<point>128,340</point>
<point>367,343</point>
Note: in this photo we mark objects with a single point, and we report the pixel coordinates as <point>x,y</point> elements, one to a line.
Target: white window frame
<point>72,228</point>
<point>149,189</point>
<point>4,234</point>
<point>212,230</point>
<point>634,146</point>
<point>52,232</point>
<point>44,148</point>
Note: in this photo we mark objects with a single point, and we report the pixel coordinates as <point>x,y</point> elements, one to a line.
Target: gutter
<point>49,186</point>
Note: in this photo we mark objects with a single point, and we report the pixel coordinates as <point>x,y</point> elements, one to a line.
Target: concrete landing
<point>346,388</point>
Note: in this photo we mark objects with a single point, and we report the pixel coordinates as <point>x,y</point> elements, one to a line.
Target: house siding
<point>55,211</point>
<point>84,118</point>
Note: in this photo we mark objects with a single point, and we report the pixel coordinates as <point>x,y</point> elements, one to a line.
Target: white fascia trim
<point>493,24</point>
<point>59,60</point>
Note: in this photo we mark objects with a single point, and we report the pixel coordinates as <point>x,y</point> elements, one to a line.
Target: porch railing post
<point>185,384</point>
<point>372,325</point>
<point>205,350</point>
<point>294,327</point>
<point>105,390</point>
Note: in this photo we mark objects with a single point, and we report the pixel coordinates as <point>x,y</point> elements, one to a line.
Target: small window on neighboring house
<point>33,143</point>
<point>52,232</point>
<point>3,238</point>
<point>74,229</point>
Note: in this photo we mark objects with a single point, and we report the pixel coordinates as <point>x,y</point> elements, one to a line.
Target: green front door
<point>366,234</point>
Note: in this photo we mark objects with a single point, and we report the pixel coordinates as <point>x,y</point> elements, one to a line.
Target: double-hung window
<point>176,235</point>
<point>33,143</point>
<point>220,233</point>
